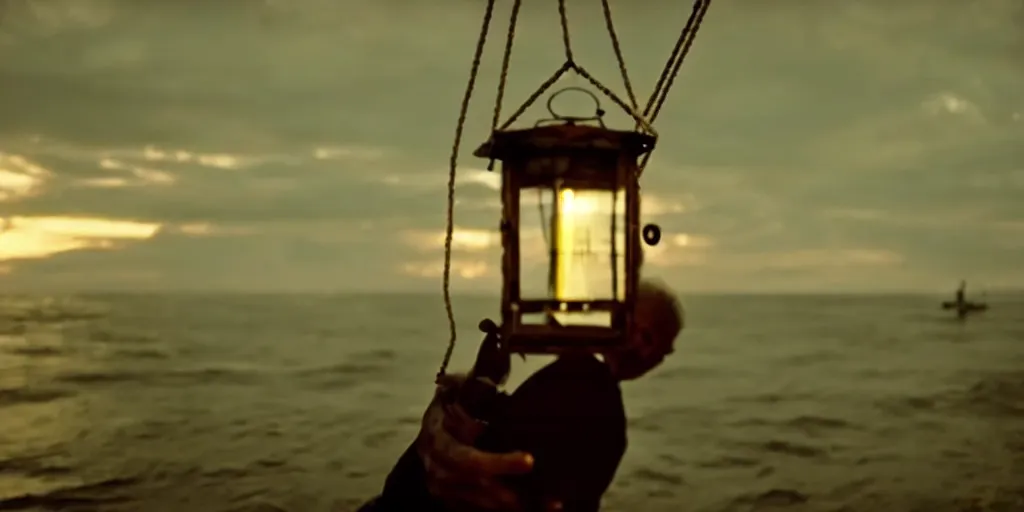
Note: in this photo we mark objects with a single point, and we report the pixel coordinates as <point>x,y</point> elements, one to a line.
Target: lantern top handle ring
<point>556,117</point>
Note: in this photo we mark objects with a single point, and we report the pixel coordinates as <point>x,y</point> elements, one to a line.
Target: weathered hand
<point>458,474</point>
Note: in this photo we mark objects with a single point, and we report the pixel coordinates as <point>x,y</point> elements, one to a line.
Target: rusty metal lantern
<point>583,180</point>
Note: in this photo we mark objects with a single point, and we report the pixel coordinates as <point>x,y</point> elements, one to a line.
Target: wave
<point>105,335</point>
<point>358,368</point>
<point>33,351</point>
<point>175,377</point>
<point>91,496</point>
<point>26,395</point>
<point>48,310</point>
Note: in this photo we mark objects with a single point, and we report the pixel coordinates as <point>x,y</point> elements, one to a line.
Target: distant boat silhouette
<point>968,306</point>
<point>961,305</point>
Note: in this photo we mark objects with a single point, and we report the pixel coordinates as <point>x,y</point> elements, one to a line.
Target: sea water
<point>303,402</point>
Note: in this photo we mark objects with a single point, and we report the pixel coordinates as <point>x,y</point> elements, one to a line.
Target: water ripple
<point>202,402</point>
<point>772,498</point>
<point>29,395</point>
<point>88,497</point>
<point>173,377</point>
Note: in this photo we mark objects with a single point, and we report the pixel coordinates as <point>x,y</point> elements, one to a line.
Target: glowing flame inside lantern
<point>582,236</point>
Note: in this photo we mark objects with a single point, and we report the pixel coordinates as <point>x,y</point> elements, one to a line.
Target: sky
<point>244,145</point>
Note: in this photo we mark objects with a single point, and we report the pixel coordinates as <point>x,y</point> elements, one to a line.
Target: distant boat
<point>961,305</point>
<point>969,306</point>
<point>965,308</point>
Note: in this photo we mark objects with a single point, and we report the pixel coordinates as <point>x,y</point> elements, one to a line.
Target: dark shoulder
<point>574,370</point>
<point>572,384</point>
<point>585,364</point>
<point>570,416</point>
<point>573,397</point>
<point>373,505</point>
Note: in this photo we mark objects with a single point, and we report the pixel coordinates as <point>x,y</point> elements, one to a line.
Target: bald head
<point>659,308</point>
<point>657,321</point>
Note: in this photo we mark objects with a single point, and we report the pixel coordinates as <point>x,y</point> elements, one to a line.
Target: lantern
<point>572,190</point>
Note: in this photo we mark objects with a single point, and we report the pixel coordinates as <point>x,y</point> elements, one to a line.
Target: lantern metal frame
<point>578,157</point>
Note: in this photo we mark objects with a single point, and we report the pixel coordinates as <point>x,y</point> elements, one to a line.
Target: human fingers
<point>464,457</point>
<point>463,490</point>
<point>460,425</point>
<point>477,496</point>
<point>553,506</point>
<point>437,443</point>
<point>431,428</point>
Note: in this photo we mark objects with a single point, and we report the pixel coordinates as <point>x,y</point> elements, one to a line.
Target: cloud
<point>20,177</point>
<point>464,269</point>
<point>41,237</point>
<point>462,239</point>
<point>303,144</point>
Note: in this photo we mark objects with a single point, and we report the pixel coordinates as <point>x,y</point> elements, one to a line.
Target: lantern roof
<point>505,144</point>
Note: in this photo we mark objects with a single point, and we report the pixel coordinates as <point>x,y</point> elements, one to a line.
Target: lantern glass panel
<point>568,251</point>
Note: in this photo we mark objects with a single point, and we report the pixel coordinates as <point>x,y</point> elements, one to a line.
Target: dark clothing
<point>569,416</point>
<point>405,488</point>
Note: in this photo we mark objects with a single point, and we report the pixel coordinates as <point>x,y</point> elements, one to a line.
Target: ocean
<point>303,402</point>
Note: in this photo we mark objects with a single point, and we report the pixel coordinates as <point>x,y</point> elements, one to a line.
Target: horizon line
<point>479,294</point>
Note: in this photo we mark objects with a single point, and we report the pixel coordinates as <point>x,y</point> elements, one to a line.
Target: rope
<point>537,94</point>
<point>644,124</point>
<point>570,64</point>
<point>452,168</point>
<point>505,60</point>
<point>618,52</point>
<point>672,58</point>
<point>643,120</point>
<point>565,31</point>
<point>672,67</point>
<point>703,9</point>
